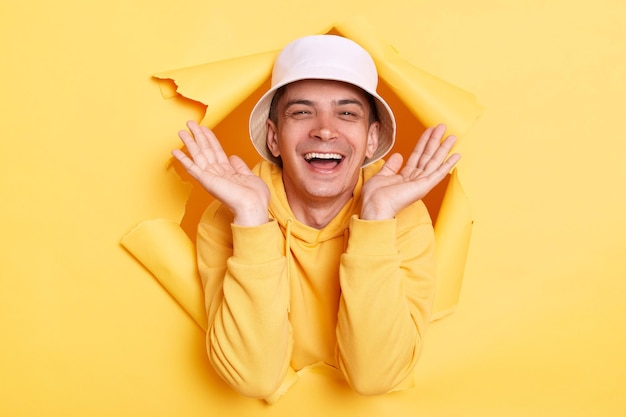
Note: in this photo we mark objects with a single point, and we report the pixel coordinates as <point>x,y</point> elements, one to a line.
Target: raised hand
<point>391,190</point>
<point>228,179</point>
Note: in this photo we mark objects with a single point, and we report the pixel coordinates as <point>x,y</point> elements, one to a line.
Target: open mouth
<point>323,160</point>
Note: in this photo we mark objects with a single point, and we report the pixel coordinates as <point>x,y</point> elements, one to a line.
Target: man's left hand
<point>392,189</point>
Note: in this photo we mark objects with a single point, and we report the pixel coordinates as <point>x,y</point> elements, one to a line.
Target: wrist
<point>254,216</point>
<point>369,212</point>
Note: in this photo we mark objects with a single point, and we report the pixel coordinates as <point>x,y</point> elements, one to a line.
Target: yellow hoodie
<point>356,295</point>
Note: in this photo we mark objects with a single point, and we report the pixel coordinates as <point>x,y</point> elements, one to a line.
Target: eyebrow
<point>302,101</point>
<point>342,102</point>
<point>350,101</point>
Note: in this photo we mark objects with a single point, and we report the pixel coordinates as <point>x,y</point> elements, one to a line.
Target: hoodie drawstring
<point>288,257</point>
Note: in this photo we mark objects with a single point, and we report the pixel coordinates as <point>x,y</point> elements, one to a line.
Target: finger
<point>440,154</point>
<point>215,145</point>
<point>444,169</point>
<point>203,143</point>
<point>392,165</point>
<point>189,141</point>
<point>239,165</point>
<point>419,148</point>
<point>432,145</point>
<point>187,163</point>
<point>194,141</point>
<point>192,147</point>
<point>182,157</point>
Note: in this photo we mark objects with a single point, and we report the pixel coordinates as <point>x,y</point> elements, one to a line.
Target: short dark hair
<point>273,115</point>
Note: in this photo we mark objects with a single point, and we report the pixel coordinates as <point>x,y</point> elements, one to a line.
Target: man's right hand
<point>228,179</point>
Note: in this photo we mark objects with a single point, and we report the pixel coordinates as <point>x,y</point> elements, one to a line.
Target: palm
<point>227,179</point>
<point>392,189</point>
<point>222,179</point>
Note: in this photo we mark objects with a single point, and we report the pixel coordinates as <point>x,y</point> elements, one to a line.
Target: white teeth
<point>316,155</point>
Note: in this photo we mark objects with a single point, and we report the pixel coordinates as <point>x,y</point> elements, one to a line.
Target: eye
<point>349,114</point>
<point>298,113</point>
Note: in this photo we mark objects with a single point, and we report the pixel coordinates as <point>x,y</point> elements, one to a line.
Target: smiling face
<point>322,132</point>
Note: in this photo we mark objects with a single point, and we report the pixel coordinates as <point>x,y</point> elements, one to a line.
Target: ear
<point>372,139</point>
<point>272,138</point>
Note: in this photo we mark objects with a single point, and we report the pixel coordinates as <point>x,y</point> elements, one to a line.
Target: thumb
<point>392,165</point>
<point>239,165</point>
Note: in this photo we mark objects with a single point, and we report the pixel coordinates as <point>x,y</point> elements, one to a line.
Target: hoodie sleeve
<point>247,300</point>
<point>387,278</point>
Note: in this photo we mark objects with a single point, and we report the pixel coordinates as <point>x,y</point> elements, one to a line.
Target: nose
<point>324,128</point>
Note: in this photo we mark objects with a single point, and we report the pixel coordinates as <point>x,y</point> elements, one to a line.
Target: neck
<point>317,213</point>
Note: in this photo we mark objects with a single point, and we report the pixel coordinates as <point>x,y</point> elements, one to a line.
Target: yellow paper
<point>453,230</point>
<point>430,99</point>
<point>166,251</point>
<point>88,331</point>
<point>207,83</point>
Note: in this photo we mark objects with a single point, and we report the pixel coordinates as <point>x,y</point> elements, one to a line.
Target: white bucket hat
<point>323,57</point>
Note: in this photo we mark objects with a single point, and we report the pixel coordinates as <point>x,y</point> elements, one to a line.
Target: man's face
<point>323,134</point>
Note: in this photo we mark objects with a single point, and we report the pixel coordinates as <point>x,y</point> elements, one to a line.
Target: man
<point>322,253</point>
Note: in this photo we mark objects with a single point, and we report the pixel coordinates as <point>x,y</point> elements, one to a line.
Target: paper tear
<point>164,248</point>
<point>166,251</point>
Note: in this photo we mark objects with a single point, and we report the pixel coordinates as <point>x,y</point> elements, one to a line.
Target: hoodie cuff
<point>372,237</point>
<point>257,244</point>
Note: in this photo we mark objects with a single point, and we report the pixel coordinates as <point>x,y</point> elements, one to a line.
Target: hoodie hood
<point>280,211</point>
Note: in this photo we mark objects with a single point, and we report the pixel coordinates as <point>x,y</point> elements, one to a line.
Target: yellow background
<point>541,324</point>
